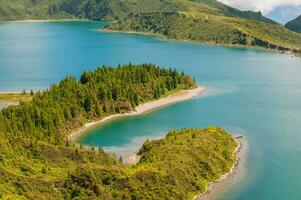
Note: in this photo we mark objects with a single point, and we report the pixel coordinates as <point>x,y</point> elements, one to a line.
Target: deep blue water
<point>249,92</point>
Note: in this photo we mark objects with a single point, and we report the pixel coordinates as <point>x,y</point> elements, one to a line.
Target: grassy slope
<point>88,9</point>
<point>111,9</point>
<point>26,9</point>
<point>177,167</point>
<point>212,28</point>
<point>295,25</point>
<point>225,25</point>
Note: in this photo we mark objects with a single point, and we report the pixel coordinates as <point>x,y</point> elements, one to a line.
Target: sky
<point>278,10</point>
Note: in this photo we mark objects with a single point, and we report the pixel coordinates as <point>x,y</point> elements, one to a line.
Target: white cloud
<point>265,6</point>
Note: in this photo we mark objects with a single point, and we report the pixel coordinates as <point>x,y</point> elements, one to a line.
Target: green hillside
<point>38,162</point>
<point>212,28</point>
<point>198,20</point>
<point>110,9</point>
<point>295,25</point>
<point>177,167</point>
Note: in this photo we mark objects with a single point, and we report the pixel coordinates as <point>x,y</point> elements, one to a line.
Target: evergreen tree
<point>52,114</point>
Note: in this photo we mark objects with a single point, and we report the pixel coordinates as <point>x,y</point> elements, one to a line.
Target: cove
<point>249,92</point>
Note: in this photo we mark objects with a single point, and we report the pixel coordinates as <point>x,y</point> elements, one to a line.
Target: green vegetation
<point>111,9</point>
<point>37,162</point>
<point>295,25</point>
<point>177,167</point>
<point>82,9</point>
<point>53,114</point>
<point>198,20</point>
<point>205,27</point>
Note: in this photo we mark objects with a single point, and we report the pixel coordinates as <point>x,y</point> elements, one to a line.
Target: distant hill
<point>112,9</point>
<point>212,28</point>
<point>198,20</point>
<point>295,24</point>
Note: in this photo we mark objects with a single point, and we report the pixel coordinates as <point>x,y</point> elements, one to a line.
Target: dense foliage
<point>36,164</point>
<point>177,167</point>
<point>53,114</point>
<point>212,29</point>
<point>295,24</point>
<point>110,9</point>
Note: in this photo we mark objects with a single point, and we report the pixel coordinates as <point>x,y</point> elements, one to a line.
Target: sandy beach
<point>10,92</point>
<point>143,108</point>
<point>216,189</point>
<point>132,160</point>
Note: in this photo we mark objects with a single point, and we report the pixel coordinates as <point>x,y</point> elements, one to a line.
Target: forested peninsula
<point>36,160</point>
<point>51,115</point>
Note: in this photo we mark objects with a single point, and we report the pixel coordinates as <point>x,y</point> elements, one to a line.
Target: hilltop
<point>295,24</point>
<point>215,26</point>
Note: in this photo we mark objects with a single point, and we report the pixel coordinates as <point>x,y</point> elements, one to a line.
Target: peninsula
<point>38,160</point>
<point>53,114</point>
<point>143,108</point>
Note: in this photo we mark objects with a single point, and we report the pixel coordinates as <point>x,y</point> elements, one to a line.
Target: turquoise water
<point>249,92</point>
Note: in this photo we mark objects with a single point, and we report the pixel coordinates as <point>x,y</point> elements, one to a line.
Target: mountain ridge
<point>212,29</point>
<point>295,24</point>
<point>113,9</point>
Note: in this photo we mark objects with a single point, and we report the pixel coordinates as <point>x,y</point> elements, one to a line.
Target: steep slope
<point>295,24</point>
<point>213,7</point>
<point>177,167</point>
<point>111,9</point>
<point>212,28</point>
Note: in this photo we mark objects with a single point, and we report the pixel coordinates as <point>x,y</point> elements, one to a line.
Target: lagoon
<point>250,92</point>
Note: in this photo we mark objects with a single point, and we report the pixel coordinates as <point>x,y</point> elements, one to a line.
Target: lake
<point>249,92</point>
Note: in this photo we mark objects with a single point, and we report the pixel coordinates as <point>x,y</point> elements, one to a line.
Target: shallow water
<point>249,92</point>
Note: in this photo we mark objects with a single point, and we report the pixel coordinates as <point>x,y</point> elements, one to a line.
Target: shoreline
<point>290,53</point>
<point>11,92</point>
<point>45,20</point>
<point>214,188</point>
<point>134,158</point>
<point>144,108</point>
<point>14,98</point>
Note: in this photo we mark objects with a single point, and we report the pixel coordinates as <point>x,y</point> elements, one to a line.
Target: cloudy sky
<point>280,10</point>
